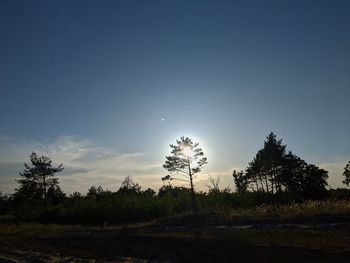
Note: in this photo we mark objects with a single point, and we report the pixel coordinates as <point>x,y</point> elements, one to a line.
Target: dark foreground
<point>174,241</point>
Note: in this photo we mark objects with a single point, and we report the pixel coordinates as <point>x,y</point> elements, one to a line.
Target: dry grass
<point>290,211</point>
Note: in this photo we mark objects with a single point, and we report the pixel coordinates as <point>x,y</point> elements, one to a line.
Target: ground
<point>180,239</point>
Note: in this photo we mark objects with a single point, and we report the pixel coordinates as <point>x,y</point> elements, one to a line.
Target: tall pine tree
<point>37,180</point>
<point>187,160</point>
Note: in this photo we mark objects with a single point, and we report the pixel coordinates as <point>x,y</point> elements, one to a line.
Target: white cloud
<point>85,163</point>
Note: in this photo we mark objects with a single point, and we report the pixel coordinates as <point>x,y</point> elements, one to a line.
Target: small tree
<point>187,160</point>
<point>346,174</point>
<point>129,186</point>
<point>241,181</point>
<point>94,192</point>
<point>38,180</point>
<point>214,192</point>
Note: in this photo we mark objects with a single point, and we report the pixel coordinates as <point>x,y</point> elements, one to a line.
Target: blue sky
<point>89,82</point>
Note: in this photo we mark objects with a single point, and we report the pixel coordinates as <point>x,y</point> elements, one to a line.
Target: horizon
<point>104,89</point>
<point>78,162</point>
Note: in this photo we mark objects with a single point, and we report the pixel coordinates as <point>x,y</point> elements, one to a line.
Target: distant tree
<point>213,184</point>
<point>37,180</point>
<point>186,160</point>
<point>346,174</point>
<point>149,192</point>
<point>4,203</point>
<point>55,195</point>
<point>214,192</point>
<point>75,195</point>
<point>94,192</point>
<point>173,191</point>
<point>129,186</point>
<point>241,181</point>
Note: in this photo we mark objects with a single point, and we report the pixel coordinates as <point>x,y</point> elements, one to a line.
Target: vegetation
<point>187,160</point>
<point>346,174</point>
<point>274,171</point>
<point>38,183</point>
<point>275,184</point>
<point>308,211</point>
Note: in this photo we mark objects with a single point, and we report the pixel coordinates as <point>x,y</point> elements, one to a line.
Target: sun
<point>187,152</point>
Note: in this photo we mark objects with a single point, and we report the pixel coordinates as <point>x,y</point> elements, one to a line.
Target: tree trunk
<point>45,198</point>
<point>273,184</point>
<point>193,197</point>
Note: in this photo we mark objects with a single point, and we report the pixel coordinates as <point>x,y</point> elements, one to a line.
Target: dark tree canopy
<point>94,192</point>
<point>38,181</point>
<point>346,174</point>
<point>185,161</point>
<point>129,186</point>
<point>241,181</point>
<point>273,170</point>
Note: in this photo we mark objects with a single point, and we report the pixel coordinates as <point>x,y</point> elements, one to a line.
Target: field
<point>263,234</point>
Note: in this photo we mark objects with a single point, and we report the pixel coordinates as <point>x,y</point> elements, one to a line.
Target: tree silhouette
<point>346,174</point>
<point>38,181</point>
<point>265,171</point>
<point>214,192</point>
<point>272,170</point>
<point>241,181</point>
<point>94,192</point>
<point>313,180</point>
<point>129,186</point>
<point>187,160</point>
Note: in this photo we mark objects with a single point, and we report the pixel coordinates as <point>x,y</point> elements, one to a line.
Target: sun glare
<point>187,152</point>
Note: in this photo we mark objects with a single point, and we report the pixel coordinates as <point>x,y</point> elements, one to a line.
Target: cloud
<point>335,171</point>
<point>85,163</point>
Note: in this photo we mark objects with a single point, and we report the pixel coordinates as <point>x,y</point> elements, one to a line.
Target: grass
<point>290,211</point>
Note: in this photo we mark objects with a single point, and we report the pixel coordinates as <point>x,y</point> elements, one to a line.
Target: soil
<point>185,241</point>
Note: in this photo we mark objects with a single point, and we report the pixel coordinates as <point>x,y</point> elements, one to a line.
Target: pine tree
<point>187,160</point>
<point>274,170</point>
<point>37,180</point>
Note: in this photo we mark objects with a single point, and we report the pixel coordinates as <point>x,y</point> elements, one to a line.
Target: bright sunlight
<point>187,152</point>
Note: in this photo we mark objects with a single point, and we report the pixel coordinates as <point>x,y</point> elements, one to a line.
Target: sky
<point>105,86</point>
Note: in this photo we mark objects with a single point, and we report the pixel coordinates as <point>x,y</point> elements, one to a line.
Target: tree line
<point>274,175</point>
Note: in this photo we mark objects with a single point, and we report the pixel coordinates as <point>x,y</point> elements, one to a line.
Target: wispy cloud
<point>85,163</point>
